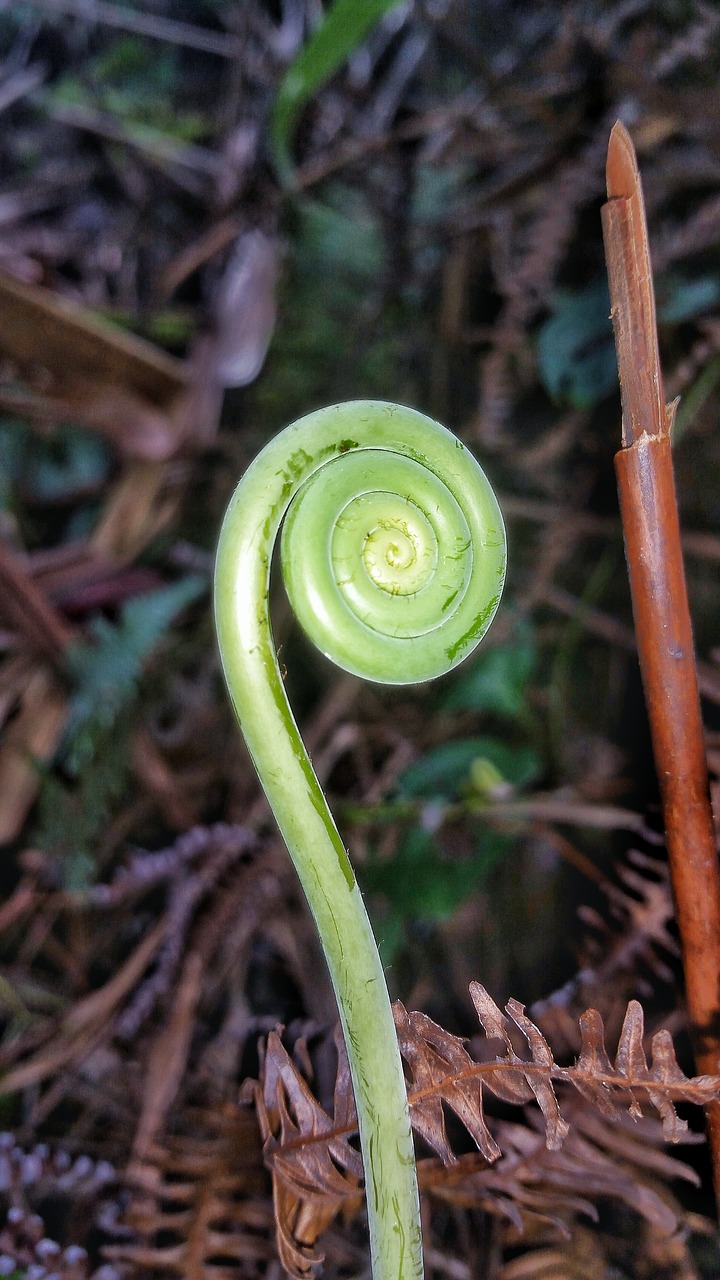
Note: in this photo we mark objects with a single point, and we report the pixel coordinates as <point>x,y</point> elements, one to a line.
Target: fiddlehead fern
<point>393,554</point>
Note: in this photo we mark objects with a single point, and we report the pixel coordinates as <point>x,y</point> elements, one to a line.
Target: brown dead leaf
<point>78,579</point>
<point>441,1071</point>
<point>25,608</point>
<point>31,736</point>
<point>143,501</point>
<point>122,385</point>
<point>311,1184</point>
<point>168,1059</point>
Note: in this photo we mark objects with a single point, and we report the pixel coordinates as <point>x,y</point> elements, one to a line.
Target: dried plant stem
<point>660,607</point>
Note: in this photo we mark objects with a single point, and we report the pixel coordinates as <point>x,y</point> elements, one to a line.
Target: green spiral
<point>393,554</point>
<point>393,550</point>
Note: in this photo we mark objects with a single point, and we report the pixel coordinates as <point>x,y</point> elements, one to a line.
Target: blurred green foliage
<point>92,769</point>
<point>339,337</point>
<point>105,671</point>
<point>72,814</point>
<point>575,346</point>
<point>680,298</point>
<point>451,771</point>
<point>139,84</point>
<point>61,468</point>
<point>444,857</point>
<point>342,29</point>
<point>495,680</point>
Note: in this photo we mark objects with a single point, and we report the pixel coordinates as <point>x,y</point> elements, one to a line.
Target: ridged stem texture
<point>663,626</point>
<point>393,554</point>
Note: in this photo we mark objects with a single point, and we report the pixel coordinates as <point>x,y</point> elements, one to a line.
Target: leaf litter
<point>445,182</point>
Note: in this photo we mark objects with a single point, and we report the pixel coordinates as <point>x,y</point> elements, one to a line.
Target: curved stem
<point>251,670</point>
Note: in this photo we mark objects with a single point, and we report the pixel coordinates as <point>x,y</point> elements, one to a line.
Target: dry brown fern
<point>516,1172</point>
<point>316,1171</point>
<point>627,950</point>
<point>199,1204</point>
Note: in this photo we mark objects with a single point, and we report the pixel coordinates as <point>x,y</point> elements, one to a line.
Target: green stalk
<point>386,512</point>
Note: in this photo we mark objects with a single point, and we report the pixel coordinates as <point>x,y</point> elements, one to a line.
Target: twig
<point>24,607</point>
<point>542,807</point>
<point>597,623</point>
<point>21,83</point>
<point>188,165</point>
<point>662,617</point>
<point>146,24</point>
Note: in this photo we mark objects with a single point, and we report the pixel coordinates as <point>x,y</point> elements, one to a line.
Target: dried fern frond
<point>443,1071</point>
<point>630,1081</point>
<point>540,1194</point>
<point>627,950</point>
<point>200,1205</point>
<point>642,904</point>
<point>589,1255</point>
<point>317,1172</point>
<point>312,1180</point>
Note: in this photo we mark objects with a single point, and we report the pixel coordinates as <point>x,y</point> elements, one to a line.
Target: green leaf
<point>343,28</point>
<point>105,672</point>
<point>575,348</point>
<point>71,813</point>
<point>13,445</point>
<point>422,883</point>
<point>67,464</point>
<point>679,299</point>
<point>496,681</point>
<point>443,773</point>
<point>341,238</point>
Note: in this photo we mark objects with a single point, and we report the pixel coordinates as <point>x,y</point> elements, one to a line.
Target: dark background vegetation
<point>424,227</point>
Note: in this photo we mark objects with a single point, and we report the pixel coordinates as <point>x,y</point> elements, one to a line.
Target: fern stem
<point>387,508</point>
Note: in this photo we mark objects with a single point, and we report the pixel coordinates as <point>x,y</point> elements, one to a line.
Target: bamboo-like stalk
<point>660,607</point>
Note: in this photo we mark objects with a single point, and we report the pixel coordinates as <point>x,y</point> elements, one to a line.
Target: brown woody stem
<point>660,607</point>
